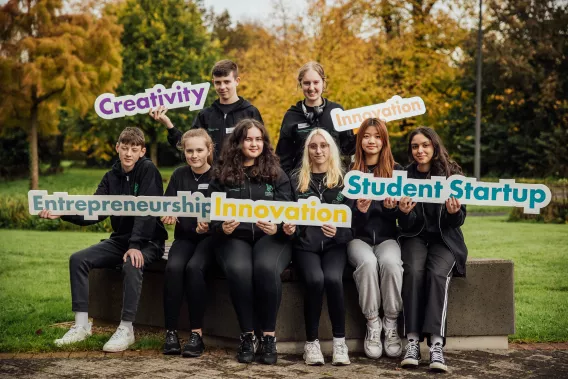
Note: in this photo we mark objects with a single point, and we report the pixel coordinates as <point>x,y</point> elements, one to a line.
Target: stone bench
<point>481,310</point>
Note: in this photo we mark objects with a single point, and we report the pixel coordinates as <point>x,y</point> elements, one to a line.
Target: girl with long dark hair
<point>433,250</point>
<point>252,255</point>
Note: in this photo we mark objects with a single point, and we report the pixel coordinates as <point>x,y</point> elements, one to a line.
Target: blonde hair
<point>198,133</point>
<point>334,175</point>
<point>312,65</point>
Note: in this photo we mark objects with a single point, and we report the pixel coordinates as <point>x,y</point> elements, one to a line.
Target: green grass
<point>34,281</point>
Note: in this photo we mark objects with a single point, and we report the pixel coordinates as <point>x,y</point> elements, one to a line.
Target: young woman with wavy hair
<point>252,255</point>
<point>433,250</point>
<point>374,251</point>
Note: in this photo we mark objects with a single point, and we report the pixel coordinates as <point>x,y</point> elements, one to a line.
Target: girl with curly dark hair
<point>252,255</point>
<point>433,250</point>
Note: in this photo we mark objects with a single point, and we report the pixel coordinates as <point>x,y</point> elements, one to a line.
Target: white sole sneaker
<point>410,362</point>
<point>315,362</point>
<point>74,335</point>
<point>341,363</point>
<point>125,340</point>
<point>438,367</point>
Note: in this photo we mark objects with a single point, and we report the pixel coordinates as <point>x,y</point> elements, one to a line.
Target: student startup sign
<point>532,197</point>
<point>108,106</point>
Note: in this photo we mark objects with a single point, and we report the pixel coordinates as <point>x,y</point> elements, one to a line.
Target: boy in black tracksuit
<point>296,127</point>
<point>321,261</point>
<point>136,241</point>
<point>220,118</point>
<point>252,261</point>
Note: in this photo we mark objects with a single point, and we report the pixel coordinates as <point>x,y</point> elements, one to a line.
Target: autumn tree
<point>51,57</point>
<point>163,42</point>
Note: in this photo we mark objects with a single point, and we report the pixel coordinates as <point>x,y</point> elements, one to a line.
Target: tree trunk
<point>154,153</point>
<point>34,159</point>
<point>55,165</point>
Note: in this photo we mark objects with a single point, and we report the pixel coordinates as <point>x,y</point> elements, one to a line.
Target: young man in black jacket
<point>220,118</point>
<point>136,241</point>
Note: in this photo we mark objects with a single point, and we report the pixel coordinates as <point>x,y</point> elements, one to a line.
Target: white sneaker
<point>77,333</point>
<point>340,356</point>
<point>372,345</point>
<point>393,342</point>
<point>312,353</point>
<point>120,340</point>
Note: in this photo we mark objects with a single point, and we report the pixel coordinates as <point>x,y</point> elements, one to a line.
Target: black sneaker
<point>437,363</point>
<point>412,356</point>
<point>194,347</point>
<point>247,348</point>
<point>268,353</point>
<point>172,346</point>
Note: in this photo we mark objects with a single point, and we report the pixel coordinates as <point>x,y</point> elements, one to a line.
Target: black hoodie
<point>378,224</point>
<point>413,223</point>
<point>311,238</point>
<point>295,129</point>
<point>279,190</point>
<point>184,179</point>
<point>131,231</point>
<point>217,123</point>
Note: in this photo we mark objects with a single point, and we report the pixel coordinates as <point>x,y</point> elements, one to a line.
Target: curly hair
<point>229,169</point>
<point>441,164</point>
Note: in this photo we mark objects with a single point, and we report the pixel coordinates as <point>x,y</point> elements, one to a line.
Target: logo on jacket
<point>269,190</point>
<point>136,189</point>
<point>338,199</point>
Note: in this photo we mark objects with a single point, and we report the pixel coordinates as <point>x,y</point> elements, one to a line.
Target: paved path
<point>527,361</point>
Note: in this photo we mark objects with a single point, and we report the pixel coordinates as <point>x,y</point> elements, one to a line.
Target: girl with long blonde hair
<point>320,252</point>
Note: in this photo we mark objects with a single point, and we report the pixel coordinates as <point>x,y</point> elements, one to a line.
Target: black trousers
<point>109,253</point>
<point>323,272</point>
<point>428,265</point>
<point>253,274</point>
<point>187,265</point>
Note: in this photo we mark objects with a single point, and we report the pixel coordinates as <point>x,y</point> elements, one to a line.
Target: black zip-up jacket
<point>295,129</point>
<point>378,224</point>
<point>216,123</point>
<point>183,179</point>
<point>279,190</point>
<point>311,238</point>
<point>131,231</point>
<point>412,224</point>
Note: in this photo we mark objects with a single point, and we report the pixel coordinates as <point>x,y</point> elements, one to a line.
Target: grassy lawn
<point>34,281</point>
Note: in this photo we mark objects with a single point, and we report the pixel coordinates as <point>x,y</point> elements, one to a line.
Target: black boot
<point>247,348</point>
<point>172,346</point>
<point>268,353</point>
<point>194,347</point>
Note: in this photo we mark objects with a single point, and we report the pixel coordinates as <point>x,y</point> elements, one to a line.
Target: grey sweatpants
<point>373,265</point>
<point>109,253</point>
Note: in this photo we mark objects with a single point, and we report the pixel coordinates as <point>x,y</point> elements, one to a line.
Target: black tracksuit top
<point>217,123</point>
<point>143,180</point>
<point>378,224</point>
<point>253,189</point>
<point>449,225</point>
<point>311,238</point>
<point>295,129</point>
<point>184,179</point>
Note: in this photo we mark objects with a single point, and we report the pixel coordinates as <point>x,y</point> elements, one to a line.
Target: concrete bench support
<point>481,310</point>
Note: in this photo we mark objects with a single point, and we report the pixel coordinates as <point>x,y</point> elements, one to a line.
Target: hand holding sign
<point>267,227</point>
<point>230,226</point>
<point>202,227</point>
<point>47,214</point>
<point>452,205</point>
<point>329,230</point>
<point>159,114</point>
<point>289,229</point>
<point>169,220</point>
<point>389,203</point>
<point>363,205</point>
<point>406,204</point>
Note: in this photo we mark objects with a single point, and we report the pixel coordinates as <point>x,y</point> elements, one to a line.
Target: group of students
<point>404,253</point>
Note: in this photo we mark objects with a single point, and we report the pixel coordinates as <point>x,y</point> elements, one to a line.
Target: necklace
<point>197,179</point>
<point>318,187</point>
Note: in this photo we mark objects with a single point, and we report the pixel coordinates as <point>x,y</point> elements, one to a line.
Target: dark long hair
<point>441,164</point>
<point>385,165</point>
<point>229,169</point>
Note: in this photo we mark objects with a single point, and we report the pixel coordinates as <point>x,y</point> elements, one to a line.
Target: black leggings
<point>253,274</point>
<point>185,272</point>
<point>321,271</point>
